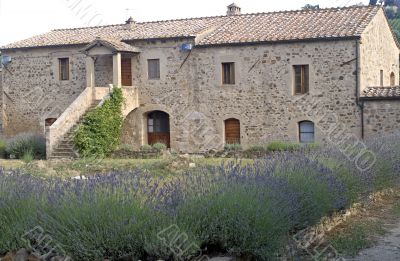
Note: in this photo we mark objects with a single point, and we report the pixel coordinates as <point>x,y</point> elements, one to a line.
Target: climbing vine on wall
<point>100,132</point>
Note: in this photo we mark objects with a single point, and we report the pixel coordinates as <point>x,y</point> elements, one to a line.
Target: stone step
<point>63,155</point>
<point>62,150</point>
<point>65,148</point>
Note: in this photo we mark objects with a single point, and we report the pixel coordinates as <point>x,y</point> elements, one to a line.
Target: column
<point>117,75</point>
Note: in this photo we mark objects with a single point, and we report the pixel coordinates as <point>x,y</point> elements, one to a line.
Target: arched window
<point>392,79</point>
<point>306,132</point>
<point>232,131</point>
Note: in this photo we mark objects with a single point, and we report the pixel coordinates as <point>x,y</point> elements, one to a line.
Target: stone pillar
<point>117,75</point>
<point>90,78</point>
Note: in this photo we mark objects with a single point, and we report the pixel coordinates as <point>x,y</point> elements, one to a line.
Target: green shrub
<point>2,148</point>
<point>22,143</point>
<point>28,156</point>
<point>233,147</point>
<point>159,146</point>
<point>127,147</point>
<point>282,146</point>
<point>256,148</point>
<point>101,130</point>
<point>146,148</point>
<point>311,146</point>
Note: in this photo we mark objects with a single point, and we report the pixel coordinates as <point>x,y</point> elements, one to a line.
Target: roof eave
<point>42,47</point>
<point>344,38</point>
<point>393,98</point>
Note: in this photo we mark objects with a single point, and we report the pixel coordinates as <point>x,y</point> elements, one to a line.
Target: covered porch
<point>109,62</point>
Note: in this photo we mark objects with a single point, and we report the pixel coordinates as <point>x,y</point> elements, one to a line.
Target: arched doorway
<point>158,128</point>
<point>232,131</point>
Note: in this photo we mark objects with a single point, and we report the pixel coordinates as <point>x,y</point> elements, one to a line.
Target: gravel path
<point>386,249</point>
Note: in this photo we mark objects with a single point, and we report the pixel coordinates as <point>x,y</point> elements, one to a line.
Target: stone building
<point>197,84</point>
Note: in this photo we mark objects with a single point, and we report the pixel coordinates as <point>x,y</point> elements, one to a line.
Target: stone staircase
<point>65,148</point>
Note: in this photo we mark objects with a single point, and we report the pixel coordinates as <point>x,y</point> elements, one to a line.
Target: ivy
<point>100,132</point>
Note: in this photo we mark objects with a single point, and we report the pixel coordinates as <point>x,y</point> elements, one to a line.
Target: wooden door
<point>126,71</point>
<point>232,131</point>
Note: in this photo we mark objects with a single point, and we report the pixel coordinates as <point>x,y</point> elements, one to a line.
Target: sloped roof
<point>114,45</point>
<point>247,28</point>
<point>376,93</point>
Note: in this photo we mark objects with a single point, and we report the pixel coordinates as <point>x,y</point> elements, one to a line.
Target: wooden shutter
<point>63,69</point>
<point>297,79</point>
<point>154,68</point>
<point>126,71</point>
<point>228,73</point>
<point>301,79</point>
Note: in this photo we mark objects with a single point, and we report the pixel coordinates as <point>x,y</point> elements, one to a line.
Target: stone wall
<point>262,98</point>
<point>103,70</point>
<point>381,116</point>
<point>378,51</point>
<point>33,91</point>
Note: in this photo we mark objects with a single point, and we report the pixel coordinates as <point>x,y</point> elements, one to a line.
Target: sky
<point>21,19</point>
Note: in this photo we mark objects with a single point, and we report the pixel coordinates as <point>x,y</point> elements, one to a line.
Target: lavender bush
<point>236,208</point>
<point>27,144</point>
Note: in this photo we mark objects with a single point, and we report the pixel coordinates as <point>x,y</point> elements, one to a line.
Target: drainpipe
<point>359,104</point>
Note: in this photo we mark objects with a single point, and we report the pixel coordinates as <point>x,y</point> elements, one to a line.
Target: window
<point>392,79</point>
<point>301,79</point>
<point>381,78</point>
<point>154,69</point>
<point>306,132</point>
<point>63,69</point>
<point>228,73</point>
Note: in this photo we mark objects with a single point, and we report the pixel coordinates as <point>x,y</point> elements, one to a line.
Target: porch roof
<point>114,45</point>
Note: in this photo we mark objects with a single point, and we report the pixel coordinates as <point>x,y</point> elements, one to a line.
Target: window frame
<point>381,78</point>
<point>228,73</point>
<point>62,72</point>
<point>157,75</point>
<point>304,79</point>
<point>306,132</point>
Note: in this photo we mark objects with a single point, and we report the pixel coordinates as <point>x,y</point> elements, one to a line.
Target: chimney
<point>130,21</point>
<point>233,9</point>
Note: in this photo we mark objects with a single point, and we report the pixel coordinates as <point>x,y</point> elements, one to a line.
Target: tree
<point>373,2</point>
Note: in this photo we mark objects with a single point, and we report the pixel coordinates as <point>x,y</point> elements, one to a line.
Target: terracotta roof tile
<point>247,28</point>
<point>115,45</point>
<point>382,92</point>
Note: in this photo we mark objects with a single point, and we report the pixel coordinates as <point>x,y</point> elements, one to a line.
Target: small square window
<point>301,79</point>
<point>63,69</point>
<point>228,73</point>
<point>154,69</point>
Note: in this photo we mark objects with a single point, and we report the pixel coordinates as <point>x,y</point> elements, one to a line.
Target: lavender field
<point>243,209</point>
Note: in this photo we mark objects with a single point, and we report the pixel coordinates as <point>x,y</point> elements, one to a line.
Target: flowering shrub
<point>242,209</point>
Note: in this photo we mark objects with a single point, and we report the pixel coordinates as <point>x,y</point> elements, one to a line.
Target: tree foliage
<point>100,132</point>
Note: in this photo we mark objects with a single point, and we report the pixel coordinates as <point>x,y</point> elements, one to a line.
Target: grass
<point>72,168</point>
<point>396,210</point>
<point>357,237</point>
